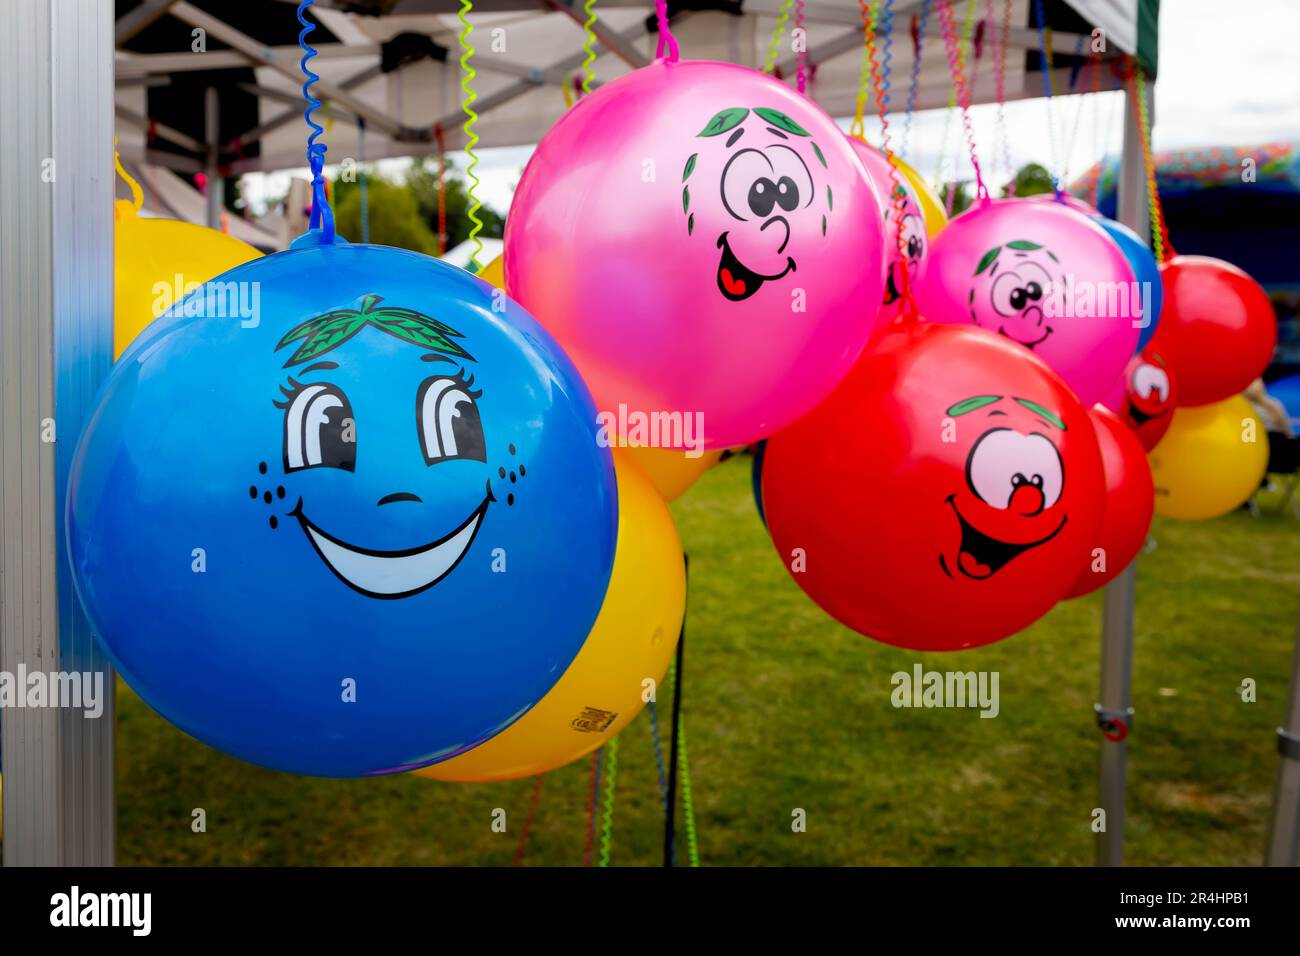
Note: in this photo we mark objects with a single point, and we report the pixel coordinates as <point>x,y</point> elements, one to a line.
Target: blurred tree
<point>394,214</point>
<point>1031,180</point>
<point>960,201</point>
<point>422,178</point>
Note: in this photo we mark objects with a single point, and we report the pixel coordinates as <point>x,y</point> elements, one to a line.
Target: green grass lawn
<point>786,709</point>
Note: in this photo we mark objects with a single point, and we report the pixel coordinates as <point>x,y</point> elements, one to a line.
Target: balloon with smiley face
<point>1146,396</point>
<point>910,234</point>
<point>943,497</point>
<point>1044,276</point>
<point>1129,507</point>
<point>358,530</point>
<point>702,241</point>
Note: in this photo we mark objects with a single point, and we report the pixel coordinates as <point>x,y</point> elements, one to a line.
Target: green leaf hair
<point>331,329</point>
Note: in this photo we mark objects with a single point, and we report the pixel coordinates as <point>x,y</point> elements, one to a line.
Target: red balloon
<point>1217,328</point>
<point>1130,502</point>
<point>944,496</point>
<point>1146,397</point>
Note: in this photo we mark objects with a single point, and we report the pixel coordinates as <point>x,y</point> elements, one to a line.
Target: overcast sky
<point>1229,75</point>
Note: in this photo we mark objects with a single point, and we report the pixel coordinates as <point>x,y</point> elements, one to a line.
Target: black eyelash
<point>289,393</point>
<point>467,384</point>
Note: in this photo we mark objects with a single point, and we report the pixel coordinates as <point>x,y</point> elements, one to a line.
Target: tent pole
<point>1284,835</point>
<point>215,185</point>
<point>56,345</point>
<point>1114,712</point>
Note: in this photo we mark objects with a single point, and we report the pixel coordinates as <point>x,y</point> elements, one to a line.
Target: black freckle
<point>521,470</point>
<point>512,477</point>
<point>279,492</point>
<point>261,467</point>
<point>510,499</point>
<point>501,472</point>
<point>275,522</point>
<point>252,491</point>
<point>267,497</point>
<point>512,448</point>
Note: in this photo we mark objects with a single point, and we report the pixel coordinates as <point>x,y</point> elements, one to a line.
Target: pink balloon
<point>915,241</point>
<point>702,241</point>
<point>1042,275</point>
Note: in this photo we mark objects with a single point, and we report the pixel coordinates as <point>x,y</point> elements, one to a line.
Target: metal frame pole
<point>1114,712</point>
<point>1284,834</point>
<point>56,345</point>
<point>216,186</point>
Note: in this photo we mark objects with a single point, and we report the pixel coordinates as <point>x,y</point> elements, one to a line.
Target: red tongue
<point>734,286</point>
<point>972,567</point>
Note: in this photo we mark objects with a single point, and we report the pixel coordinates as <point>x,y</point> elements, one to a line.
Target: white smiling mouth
<point>393,574</point>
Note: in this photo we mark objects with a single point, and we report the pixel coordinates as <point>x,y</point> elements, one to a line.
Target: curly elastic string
<point>801,55</point>
<point>1160,244</point>
<point>667,42</point>
<point>471,138</point>
<point>322,216</point>
<point>588,45</point>
<point>914,87</point>
<point>957,66</point>
<point>607,802</point>
<point>1000,83</point>
<point>533,801</point>
<point>774,44</point>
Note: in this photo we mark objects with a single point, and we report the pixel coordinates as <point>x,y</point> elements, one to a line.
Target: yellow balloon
<point>494,273</point>
<point>156,261</point>
<point>1210,461</point>
<point>670,470</point>
<point>931,207</point>
<point>633,639</point>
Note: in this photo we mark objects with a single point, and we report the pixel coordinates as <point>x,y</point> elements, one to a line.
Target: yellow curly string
<point>769,65</point>
<point>471,138</point>
<point>588,45</point>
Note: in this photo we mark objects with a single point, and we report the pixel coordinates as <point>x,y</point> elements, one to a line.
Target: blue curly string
<point>322,216</point>
<point>915,86</point>
<point>1047,92</point>
<point>660,767</point>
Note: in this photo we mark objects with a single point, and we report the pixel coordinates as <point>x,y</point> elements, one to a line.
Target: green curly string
<point>588,45</point>
<point>688,805</point>
<point>609,772</point>
<point>781,18</point>
<point>471,138</point>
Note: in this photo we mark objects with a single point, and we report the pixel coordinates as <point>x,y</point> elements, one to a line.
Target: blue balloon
<point>342,511</point>
<point>1145,268</point>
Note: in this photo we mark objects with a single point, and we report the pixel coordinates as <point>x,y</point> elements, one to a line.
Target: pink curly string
<point>666,39</point>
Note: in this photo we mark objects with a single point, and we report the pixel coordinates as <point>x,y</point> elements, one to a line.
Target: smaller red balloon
<point>944,496</point>
<point>1145,398</point>
<point>1130,502</point>
<point>1217,328</point>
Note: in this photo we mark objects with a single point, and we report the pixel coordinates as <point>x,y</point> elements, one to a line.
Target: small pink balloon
<point>915,241</point>
<point>702,241</point>
<point>1042,275</point>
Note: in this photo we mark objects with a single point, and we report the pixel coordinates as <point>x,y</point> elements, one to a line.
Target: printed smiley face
<point>1012,283</point>
<point>1146,396</point>
<point>914,243</point>
<point>772,191</point>
<point>1014,480</point>
<point>359,535</point>
<point>944,496</point>
<point>321,430</point>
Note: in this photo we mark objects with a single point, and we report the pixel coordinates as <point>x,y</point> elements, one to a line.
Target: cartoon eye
<point>793,181</point>
<point>1149,380</point>
<point>447,418</point>
<point>318,429</point>
<point>1008,296</point>
<point>1003,460</point>
<point>913,234</point>
<point>748,179</point>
